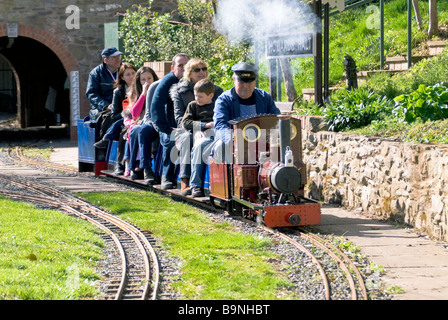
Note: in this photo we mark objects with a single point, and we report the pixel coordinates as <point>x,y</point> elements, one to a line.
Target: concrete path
<point>412,262</point>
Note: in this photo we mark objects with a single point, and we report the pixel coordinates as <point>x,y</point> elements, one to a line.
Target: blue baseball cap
<point>110,52</point>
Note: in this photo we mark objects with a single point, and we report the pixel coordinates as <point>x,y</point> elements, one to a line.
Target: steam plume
<point>251,20</point>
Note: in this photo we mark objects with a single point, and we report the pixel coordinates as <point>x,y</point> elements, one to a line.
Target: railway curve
<point>349,291</point>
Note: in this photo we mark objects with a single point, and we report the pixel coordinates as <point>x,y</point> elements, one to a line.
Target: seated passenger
<point>101,80</point>
<point>198,118</point>
<point>147,134</point>
<point>120,101</point>
<point>243,100</point>
<point>144,78</point>
<point>162,113</point>
<point>182,94</point>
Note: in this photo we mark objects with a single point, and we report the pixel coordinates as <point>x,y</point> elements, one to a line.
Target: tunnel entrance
<point>33,83</point>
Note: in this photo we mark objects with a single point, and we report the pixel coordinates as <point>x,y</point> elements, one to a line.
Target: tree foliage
<point>148,36</point>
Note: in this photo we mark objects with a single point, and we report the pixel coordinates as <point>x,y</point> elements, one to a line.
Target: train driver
<point>243,100</point>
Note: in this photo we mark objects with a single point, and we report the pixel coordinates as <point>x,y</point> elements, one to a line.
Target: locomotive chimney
<point>285,135</point>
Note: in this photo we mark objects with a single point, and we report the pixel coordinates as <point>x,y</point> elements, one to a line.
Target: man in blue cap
<point>243,100</point>
<point>100,85</point>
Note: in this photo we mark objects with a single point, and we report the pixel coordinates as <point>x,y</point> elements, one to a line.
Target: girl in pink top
<point>132,115</point>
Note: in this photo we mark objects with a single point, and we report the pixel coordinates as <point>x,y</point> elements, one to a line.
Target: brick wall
<point>51,23</point>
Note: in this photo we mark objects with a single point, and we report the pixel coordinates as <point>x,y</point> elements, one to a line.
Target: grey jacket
<point>182,93</point>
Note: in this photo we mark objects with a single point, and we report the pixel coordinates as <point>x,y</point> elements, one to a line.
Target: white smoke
<point>252,20</point>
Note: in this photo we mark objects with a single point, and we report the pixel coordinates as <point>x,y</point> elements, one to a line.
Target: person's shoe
<point>148,175</point>
<point>127,173</point>
<point>118,171</point>
<point>197,192</point>
<point>184,186</point>
<point>166,184</point>
<point>134,175</point>
<point>102,144</point>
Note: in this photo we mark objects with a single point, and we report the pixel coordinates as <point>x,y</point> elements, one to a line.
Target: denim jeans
<point>141,138</point>
<point>199,158</point>
<point>222,152</point>
<point>114,130</point>
<point>167,163</point>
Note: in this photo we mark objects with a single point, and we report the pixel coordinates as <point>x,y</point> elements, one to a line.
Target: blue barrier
<point>89,157</point>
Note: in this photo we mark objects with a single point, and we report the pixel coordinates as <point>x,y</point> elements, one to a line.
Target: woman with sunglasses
<point>182,94</point>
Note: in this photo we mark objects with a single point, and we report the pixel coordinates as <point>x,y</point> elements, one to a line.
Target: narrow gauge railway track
<point>39,163</point>
<point>300,240</point>
<point>352,276</point>
<point>138,275</point>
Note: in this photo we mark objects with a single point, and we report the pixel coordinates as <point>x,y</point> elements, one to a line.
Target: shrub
<point>353,109</point>
<point>425,103</point>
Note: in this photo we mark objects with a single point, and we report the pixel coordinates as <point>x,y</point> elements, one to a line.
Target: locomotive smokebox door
<point>286,179</point>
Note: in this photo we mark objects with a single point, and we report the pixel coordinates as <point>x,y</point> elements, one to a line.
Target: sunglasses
<point>200,69</point>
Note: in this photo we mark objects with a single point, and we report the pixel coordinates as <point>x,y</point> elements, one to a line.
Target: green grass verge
<point>46,255</point>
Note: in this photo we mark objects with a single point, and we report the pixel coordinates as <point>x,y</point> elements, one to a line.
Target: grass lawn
<point>46,255</point>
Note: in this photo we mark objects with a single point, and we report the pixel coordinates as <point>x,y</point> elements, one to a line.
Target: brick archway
<point>66,58</point>
<point>59,49</point>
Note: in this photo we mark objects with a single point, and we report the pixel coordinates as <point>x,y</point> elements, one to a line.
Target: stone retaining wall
<point>380,177</point>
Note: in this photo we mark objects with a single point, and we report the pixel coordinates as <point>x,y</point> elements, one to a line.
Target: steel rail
<point>52,165</point>
<point>142,240</point>
<point>346,259</point>
<point>117,242</point>
<point>309,254</point>
<point>54,203</point>
<point>339,262</point>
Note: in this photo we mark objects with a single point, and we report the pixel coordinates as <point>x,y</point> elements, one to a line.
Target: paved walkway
<point>412,262</point>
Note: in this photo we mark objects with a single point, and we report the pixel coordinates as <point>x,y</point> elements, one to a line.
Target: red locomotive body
<point>266,178</point>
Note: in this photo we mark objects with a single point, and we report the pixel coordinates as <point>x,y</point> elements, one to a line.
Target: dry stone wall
<point>380,177</point>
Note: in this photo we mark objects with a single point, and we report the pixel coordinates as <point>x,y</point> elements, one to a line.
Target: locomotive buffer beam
<point>289,219</point>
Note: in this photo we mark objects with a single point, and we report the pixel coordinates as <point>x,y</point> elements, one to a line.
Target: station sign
<point>291,45</point>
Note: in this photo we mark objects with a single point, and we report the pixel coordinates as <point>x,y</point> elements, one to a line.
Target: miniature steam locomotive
<point>266,177</point>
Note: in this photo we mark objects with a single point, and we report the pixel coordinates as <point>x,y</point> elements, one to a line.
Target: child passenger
<point>198,118</point>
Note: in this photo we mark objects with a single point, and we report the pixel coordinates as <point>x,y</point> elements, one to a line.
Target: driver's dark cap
<point>245,71</point>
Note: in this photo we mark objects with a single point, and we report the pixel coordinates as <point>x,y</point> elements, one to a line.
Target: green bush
<point>148,36</point>
<point>354,109</point>
<point>307,108</point>
<point>425,103</point>
<point>427,72</point>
